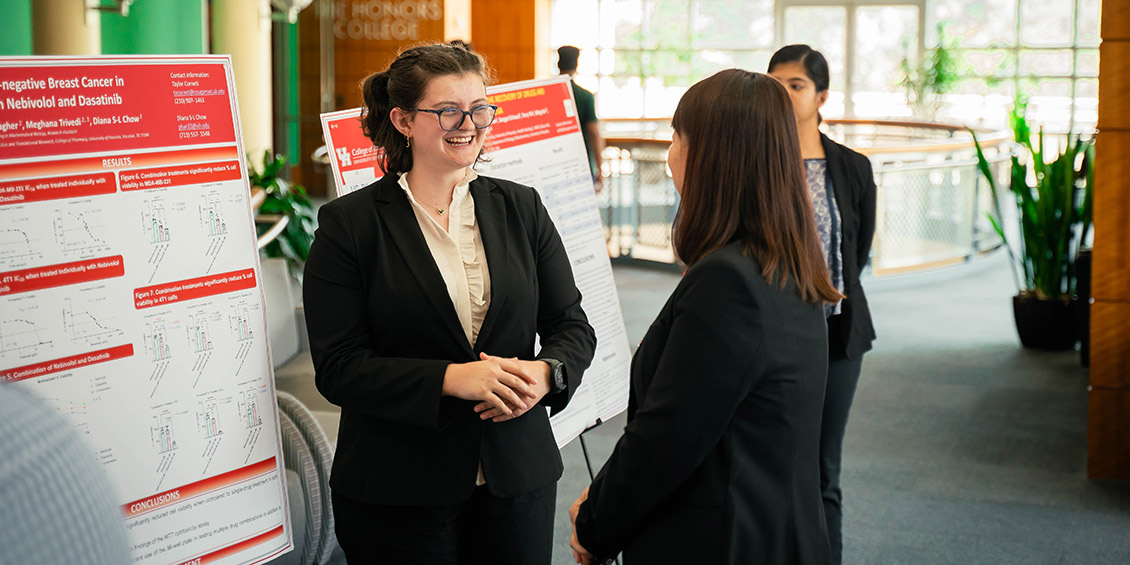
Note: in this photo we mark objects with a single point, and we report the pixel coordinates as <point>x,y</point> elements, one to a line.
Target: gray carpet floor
<point>962,447</point>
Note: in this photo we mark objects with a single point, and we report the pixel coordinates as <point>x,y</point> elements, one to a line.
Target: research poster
<point>536,140</point>
<point>130,295</point>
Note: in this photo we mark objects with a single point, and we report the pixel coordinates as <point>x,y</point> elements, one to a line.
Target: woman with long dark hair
<point>842,188</point>
<point>718,463</point>
<point>424,293</point>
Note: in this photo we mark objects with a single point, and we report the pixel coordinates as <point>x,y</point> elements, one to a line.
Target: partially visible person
<point>425,293</point>
<point>718,462</point>
<point>567,57</point>
<point>842,188</point>
<point>56,503</point>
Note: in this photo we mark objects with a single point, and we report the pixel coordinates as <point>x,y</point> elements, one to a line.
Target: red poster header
<point>526,115</point>
<point>190,289</point>
<point>57,188</point>
<point>102,107</point>
<point>63,274</point>
<point>165,177</point>
<point>66,363</point>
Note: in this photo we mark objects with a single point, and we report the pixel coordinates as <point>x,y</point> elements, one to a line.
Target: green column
<point>16,39</point>
<point>155,27</point>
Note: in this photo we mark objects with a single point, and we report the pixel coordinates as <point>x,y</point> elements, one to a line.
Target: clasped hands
<point>505,387</point>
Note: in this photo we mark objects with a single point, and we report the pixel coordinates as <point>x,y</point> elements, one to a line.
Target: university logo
<point>343,156</point>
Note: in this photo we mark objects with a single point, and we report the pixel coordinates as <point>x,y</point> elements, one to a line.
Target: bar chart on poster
<point>130,294</point>
<point>535,140</point>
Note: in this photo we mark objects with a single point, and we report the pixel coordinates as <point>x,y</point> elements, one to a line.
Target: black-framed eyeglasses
<point>451,119</point>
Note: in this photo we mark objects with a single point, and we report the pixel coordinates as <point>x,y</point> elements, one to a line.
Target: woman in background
<point>718,463</point>
<point>424,293</point>
<point>842,187</point>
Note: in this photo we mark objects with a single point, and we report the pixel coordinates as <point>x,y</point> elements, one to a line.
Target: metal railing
<point>932,202</point>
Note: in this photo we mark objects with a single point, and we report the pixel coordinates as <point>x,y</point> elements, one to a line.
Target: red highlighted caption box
<point>190,289</point>
<point>57,188</point>
<point>164,177</point>
<point>191,490</point>
<point>66,363</point>
<point>244,545</point>
<point>63,274</point>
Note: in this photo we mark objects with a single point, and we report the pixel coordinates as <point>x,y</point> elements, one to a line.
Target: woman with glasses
<point>842,188</point>
<point>424,293</point>
<point>718,462</point>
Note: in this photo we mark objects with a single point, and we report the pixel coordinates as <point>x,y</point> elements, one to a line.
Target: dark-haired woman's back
<point>730,377</point>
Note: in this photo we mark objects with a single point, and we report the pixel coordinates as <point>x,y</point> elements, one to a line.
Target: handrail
<point>989,137</point>
<point>280,223</point>
<point>932,199</point>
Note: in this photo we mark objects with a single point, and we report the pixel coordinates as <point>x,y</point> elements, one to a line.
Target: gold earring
<point>407,141</point>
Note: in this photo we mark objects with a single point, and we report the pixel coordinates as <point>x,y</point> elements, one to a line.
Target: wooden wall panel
<point>1114,82</point>
<point>1110,345</point>
<point>1108,410</point>
<point>1116,19</point>
<point>513,36</point>
<point>1111,272</point>
<point>367,37</point>
<point>1108,435</point>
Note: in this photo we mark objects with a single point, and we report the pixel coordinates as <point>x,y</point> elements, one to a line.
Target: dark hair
<point>402,86</point>
<point>460,43</point>
<point>814,63</point>
<point>744,181</point>
<point>567,56</point>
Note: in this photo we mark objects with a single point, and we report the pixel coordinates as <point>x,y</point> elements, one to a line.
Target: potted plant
<point>282,199</point>
<point>937,75</point>
<point>1053,195</point>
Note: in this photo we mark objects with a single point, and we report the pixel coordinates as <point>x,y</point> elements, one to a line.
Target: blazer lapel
<point>403,228</point>
<point>490,214</point>
<point>840,186</point>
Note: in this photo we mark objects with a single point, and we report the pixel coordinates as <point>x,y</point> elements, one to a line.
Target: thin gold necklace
<point>439,211</point>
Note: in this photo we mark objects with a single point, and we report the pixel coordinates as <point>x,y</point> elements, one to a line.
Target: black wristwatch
<point>556,375</point>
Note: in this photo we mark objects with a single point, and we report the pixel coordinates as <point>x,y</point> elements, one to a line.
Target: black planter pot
<point>1049,325</point>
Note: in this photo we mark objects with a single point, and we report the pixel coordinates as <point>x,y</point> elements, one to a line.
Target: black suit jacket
<point>719,461</point>
<point>850,332</point>
<point>383,331</point>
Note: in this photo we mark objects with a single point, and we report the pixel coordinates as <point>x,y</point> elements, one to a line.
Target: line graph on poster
<point>76,395</point>
<point>25,330</point>
<point>65,392</point>
<point>88,317</point>
<point>81,229</point>
<point>21,239</point>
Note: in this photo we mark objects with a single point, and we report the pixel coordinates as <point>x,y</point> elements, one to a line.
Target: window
<point>639,56</point>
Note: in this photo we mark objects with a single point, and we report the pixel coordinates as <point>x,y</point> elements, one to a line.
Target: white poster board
<point>130,295</point>
<point>536,140</point>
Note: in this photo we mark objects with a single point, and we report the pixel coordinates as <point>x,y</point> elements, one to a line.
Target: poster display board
<point>352,156</point>
<point>130,295</point>
<point>536,140</point>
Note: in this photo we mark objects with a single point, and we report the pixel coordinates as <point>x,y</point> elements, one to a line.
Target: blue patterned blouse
<point>827,224</point>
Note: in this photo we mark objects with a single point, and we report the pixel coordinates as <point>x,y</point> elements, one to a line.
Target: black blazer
<point>850,333</point>
<point>383,330</point>
<point>719,461</point>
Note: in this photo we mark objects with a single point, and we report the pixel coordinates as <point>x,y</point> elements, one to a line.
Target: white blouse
<point>459,254</point>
